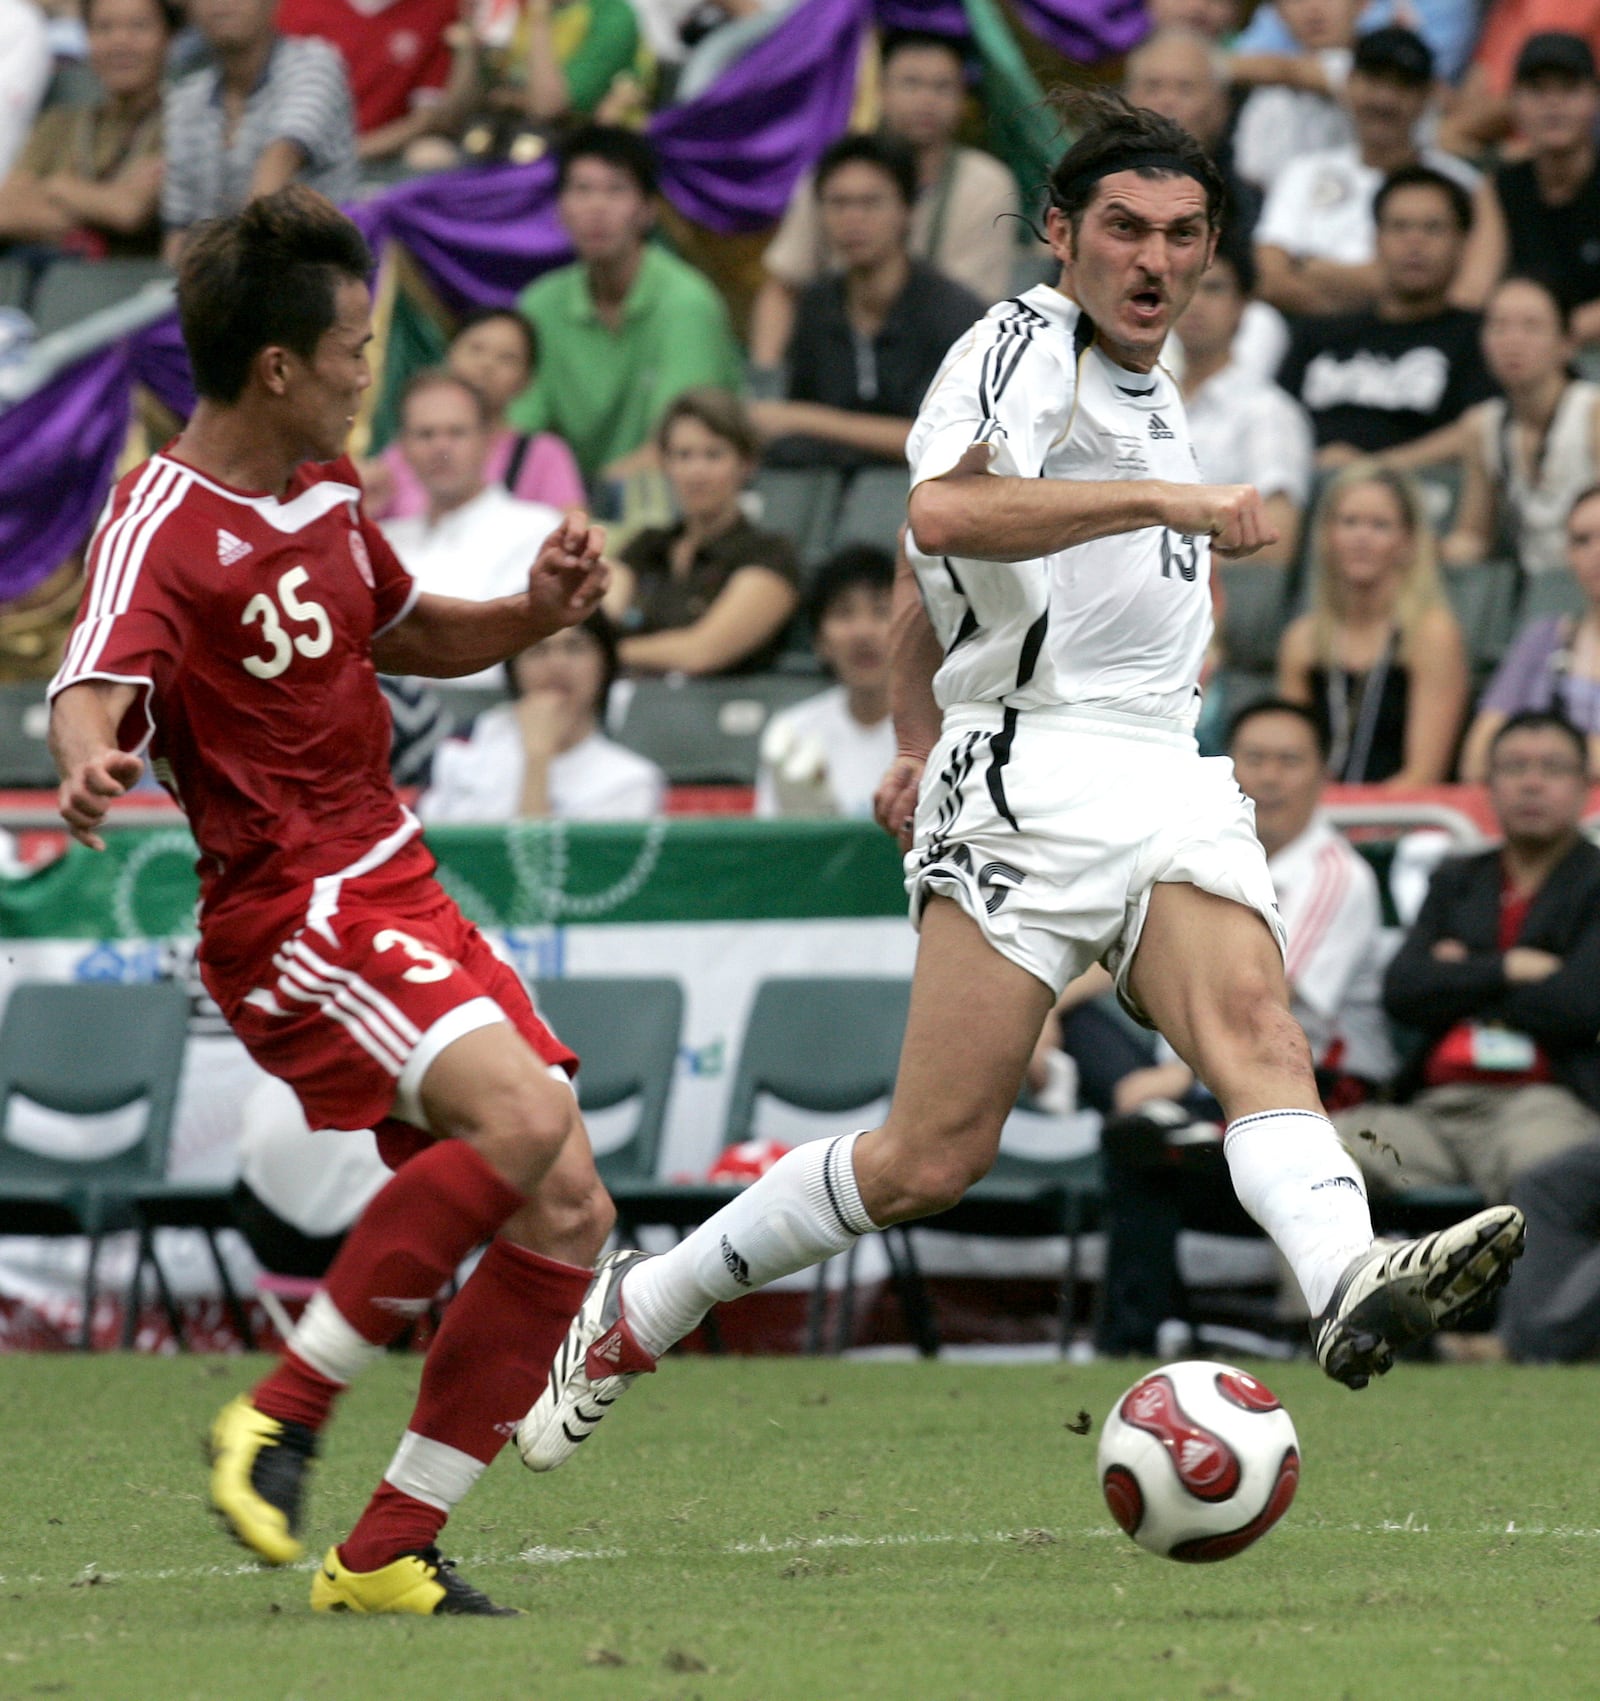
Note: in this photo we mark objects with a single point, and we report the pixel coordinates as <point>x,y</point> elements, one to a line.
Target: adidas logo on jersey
<point>231,548</point>
<point>1159,427</point>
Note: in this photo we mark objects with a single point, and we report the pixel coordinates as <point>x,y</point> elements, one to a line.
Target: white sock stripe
<point>430,1471</point>
<point>1257,1116</point>
<point>839,1178</point>
<point>384,1005</point>
<point>348,998</point>
<point>351,1024</point>
<point>329,1344</point>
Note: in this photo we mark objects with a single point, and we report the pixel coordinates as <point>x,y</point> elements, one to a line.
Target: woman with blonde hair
<point>1379,655</point>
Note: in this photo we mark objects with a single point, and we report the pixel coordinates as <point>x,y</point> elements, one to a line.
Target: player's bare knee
<point>518,1132</point>
<point>934,1181</point>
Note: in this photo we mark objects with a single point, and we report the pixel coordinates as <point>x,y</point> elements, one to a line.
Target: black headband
<point>1131,158</point>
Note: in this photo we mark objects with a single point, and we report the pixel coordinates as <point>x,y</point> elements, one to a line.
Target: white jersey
<point>1120,623</point>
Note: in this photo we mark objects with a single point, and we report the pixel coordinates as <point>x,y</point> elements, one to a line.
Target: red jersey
<point>247,623</point>
<point>393,50</point>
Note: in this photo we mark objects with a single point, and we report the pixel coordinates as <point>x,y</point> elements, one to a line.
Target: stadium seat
<point>25,759</point>
<point>74,289</point>
<point>16,283</point>
<point>707,731</point>
<point>1023,1198</point>
<point>1484,600</point>
<point>1544,594</point>
<point>802,503</point>
<point>873,510</point>
<point>464,703</point>
<point>829,1045</point>
<point>86,1049</point>
<point>1254,613</point>
<point>627,1032</point>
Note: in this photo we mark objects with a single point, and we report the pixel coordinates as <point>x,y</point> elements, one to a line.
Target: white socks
<point>1295,1178</point>
<point>804,1209</point>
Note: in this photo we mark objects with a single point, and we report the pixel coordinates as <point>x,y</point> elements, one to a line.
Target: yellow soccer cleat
<point>415,1582</point>
<point>258,1471</point>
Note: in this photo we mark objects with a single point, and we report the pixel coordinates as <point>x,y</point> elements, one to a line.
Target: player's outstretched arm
<point>914,658</point>
<point>444,637</point>
<point>988,517</point>
<point>83,740</point>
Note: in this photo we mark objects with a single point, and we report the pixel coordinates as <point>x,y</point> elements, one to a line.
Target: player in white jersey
<point>1061,542</point>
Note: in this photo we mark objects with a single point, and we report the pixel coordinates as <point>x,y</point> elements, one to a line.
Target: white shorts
<point>1051,827</point>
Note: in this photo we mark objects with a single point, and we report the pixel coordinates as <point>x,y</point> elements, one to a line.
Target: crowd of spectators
<point>1397,344</point>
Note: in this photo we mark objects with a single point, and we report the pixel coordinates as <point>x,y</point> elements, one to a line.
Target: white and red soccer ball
<point>1198,1460</point>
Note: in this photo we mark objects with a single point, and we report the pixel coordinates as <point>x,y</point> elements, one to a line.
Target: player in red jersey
<point>238,609</point>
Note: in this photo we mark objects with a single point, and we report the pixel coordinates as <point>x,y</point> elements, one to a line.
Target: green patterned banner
<point>527,874</point>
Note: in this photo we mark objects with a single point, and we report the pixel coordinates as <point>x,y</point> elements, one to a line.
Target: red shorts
<point>351,1008</point>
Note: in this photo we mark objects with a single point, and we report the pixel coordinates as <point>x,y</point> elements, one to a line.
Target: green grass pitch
<point>760,1530</point>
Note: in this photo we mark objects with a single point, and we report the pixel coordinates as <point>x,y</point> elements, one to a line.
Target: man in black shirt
<point>1540,216</point>
<point>867,340</point>
<point>1411,363</point>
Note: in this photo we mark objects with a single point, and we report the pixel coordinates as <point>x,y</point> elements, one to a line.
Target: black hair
<point>627,150</point>
<point>1425,177</point>
<point>900,41</point>
<point>172,15</point>
<point>600,628</point>
<point>1543,720</point>
<point>493,315</point>
<point>857,564</point>
<point>1114,136</point>
<point>892,157</point>
<point>442,378</point>
<point>1235,251</point>
<point>266,277</point>
<point>1308,718</point>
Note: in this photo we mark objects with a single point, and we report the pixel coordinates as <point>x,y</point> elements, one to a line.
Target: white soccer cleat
<point>1399,1291</point>
<point>593,1368</point>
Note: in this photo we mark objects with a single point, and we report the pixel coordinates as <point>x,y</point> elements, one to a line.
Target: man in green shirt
<point>627,328</point>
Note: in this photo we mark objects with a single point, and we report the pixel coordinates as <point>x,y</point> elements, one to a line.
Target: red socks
<point>402,1250</point>
<point>487,1365</point>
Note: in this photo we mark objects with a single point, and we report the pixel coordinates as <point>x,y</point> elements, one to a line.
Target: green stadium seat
<point>1254,613</point>
<point>73,290</point>
<point>16,283</point>
<point>802,503</point>
<point>86,1049</point>
<point>1544,594</point>
<point>1484,600</point>
<point>708,731</point>
<point>25,760</point>
<point>873,510</point>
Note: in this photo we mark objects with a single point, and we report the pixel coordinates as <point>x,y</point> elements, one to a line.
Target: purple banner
<point>1086,31</point>
<point>58,452</point>
<point>729,161</point>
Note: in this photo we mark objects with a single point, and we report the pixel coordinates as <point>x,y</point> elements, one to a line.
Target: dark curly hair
<point>1114,136</point>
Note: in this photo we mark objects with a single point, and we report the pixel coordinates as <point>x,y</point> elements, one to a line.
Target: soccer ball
<point>1198,1460</point>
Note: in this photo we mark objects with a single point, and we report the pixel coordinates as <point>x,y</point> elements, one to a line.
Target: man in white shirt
<point>1157,1185</point>
<point>1244,430</point>
<point>826,755</point>
<point>958,222</point>
<point>1056,809</point>
<point>1316,242</point>
<point>474,540</point>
